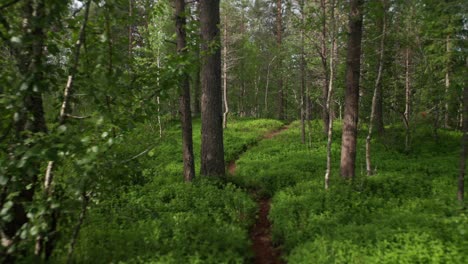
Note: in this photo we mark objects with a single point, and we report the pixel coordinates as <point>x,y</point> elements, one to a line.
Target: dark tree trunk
<point>212,148</point>
<point>184,103</point>
<point>279,32</point>
<point>464,146</point>
<point>377,93</point>
<point>324,57</point>
<point>197,78</point>
<point>31,119</point>
<point>378,108</point>
<point>303,77</point>
<point>353,64</point>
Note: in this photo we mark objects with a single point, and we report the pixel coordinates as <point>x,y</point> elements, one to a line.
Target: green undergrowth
<point>148,214</point>
<point>406,213</point>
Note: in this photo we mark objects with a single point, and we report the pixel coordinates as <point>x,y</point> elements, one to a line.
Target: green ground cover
<point>406,213</point>
<point>160,219</point>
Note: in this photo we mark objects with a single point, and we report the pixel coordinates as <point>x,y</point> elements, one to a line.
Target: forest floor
<point>260,234</point>
<point>272,207</point>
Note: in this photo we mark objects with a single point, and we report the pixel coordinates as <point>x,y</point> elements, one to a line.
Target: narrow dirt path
<point>260,234</point>
<point>264,251</point>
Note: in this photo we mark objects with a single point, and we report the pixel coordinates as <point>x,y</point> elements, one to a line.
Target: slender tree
<point>279,40</point>
<point>225,69</point>
<point>184,99</point>
<point>64,115</point>
<point>464,148</point>
<point>303,75</point>
<point>353,64</point>
<point>212,148</point>
<point>324,57</point>
<point>31,120</point>
<point>377,92</point>
<point>330,96</point>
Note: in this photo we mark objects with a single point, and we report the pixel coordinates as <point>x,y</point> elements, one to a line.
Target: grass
<point>406,213</point>
<point>149,215</point>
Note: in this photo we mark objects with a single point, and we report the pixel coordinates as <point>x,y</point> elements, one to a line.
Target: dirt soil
<point>260,234</point>
<point>265,252</point>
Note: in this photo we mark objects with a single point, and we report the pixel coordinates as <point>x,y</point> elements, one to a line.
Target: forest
<point>234,131</point>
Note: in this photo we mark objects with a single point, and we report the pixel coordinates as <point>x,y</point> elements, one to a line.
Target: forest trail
<point>260,234</point>
<point>231,167</point>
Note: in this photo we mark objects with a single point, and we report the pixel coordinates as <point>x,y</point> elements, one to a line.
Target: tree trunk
<point>130,29</point>
<point>377,90</point>
<point>279,33</point>
<point>184,99</point>
<point>84,206</point>
<point>225,52</point>
<point>212,148</point>
<point>31,118</point>
<point>303,73</point>
<point>447,85</point>
<point>267,85</point>
<point>407,113</point>
<point>353,64</point>
<point>63,116</point>
<point>329,98</point>
<point>324,57</point>
<point>464,148</point>
<point>197,79</point>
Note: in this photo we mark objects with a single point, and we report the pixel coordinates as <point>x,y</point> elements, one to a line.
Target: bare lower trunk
<point>64,113</point>
<point>407,113</point>
<point>353,64</point>
<point>158,101</point>
<point>130,29</point>
<point>212,148</point>
<point>225,52</point>
<point>464,148</point>
<point>330,98</point>
<point>76,231</point>
<point>279,31</point>
<point>378,87</point>
<point>197,77</point>
<point>303,78</point>
<point>447,86</point>
<point>326,75</point>
<point>257,106</point>
<point>31,120</point>
<point>267,86</point>
<point>184,104</point>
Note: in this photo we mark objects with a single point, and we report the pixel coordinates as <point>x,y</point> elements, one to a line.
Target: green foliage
<point>406,213</point>
<point>176,223</point>
<point>147,214</point>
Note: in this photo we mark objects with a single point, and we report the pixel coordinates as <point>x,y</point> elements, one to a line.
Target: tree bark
<point>130,29</point>
<point>303,73</point>
<point>377,90</point>
<point>324,57</point>
<point>31,119</point>
<point>353,64</point>
<point>212,148</point>
<point>464,148</point>
<point>84,206</point>
<point>279,36</point>
<point>329,98</point>
<point>225,52</point>
<point>184,98</point>
<point>267,86</point>
<point>197,78</point>
<point>447,85</point>
<point>63,116</point>
<point>407,113</point>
